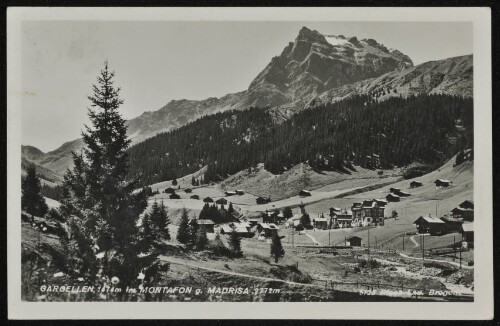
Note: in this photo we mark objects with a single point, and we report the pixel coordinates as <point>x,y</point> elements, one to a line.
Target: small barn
<point>230,193</point>
<point>354,241</point>
<point>267,230</point>
<point>195,197</point>
<point>262,200</point>
<point>415,184</point>
<point>188,190</point>
<point>442,183</point>
<point>207,225</point>
<point>430,225</point>
<point>174,196</point>
<point>468,234</point>
<point>304,193</point>
<point>208,200</point>
<point>320,223</point>
<point>393,190</point>
<point>240,192</point>
<point>169,190</point>
<point>392,197</point>
<point>221,201</point>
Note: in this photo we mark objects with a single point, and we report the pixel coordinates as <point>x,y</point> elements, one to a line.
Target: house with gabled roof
<point>267,229</point>
<point>369,212</point>
<point>430,225</point>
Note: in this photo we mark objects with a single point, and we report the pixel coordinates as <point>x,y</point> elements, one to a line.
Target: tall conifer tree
<point>32,200</point>
<point>102,209</point>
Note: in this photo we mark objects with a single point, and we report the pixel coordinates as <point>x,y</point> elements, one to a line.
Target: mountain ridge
<point>296,80</point>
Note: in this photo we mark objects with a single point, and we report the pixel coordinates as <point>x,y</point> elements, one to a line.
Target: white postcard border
<point>481,308</point>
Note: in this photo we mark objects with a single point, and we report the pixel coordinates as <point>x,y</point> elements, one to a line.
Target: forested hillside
<point>336,136</point>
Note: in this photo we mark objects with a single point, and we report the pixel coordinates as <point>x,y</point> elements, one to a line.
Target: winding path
<point>313,239</point>
<point>412,238</point>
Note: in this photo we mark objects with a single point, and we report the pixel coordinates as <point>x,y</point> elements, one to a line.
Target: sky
<point>156,62</point>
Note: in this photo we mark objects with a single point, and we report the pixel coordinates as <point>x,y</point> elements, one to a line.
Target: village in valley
<point>324,188</point>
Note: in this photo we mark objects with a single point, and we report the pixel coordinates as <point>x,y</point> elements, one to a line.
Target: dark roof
<point>208,200</point>
<point>428,219</point>
<point>353,237</point>
<point>467,204</point>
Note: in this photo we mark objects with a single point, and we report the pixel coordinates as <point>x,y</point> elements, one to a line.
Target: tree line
<point>336,136</point>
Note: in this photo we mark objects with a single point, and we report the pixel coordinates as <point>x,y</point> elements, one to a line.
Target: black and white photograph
<point>248,160</point>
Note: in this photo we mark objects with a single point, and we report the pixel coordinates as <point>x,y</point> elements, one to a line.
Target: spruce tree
<point>235,241</point>
<point>277,250</point>
<point>230,209</point>
<point>201,239</point>
<point>193,232</point>
<point>32,200</point>
<point>99,203</point>
<point>165,221</point>
<point>287,213</point>
<point>183,230</point>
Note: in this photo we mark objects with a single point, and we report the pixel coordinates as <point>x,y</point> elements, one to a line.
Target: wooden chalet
<point>465,211</point>
<point>442,182</point>
<point>188,190</point>
<point>230,193</point>
<point>451,224</point>
<point>354,241</point>
<point>415,184</point>
<point>320,223</point>
<point>242,229</point>
<point>393,190</point>
<point>195,197</point>
<point>430,225</point>
<point>207,225</point>
<point>240,192</point>
<point>267,230</point>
